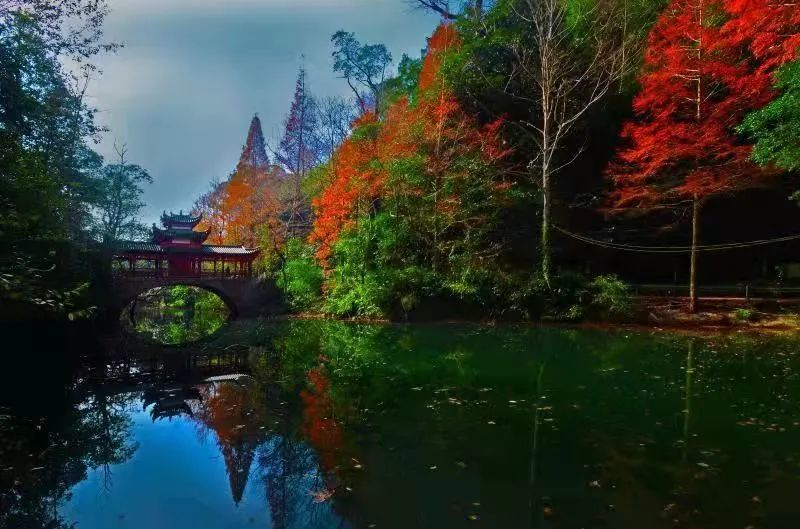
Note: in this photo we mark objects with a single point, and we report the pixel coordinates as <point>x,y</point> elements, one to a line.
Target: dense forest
<point>59,200</point>
<point>539,155</point>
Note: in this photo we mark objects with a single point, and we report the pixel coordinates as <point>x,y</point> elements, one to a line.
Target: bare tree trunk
<point>687,398</point>
<point>546,209</point>
<point>693,265</point>
<point>569,86</point>
<point>696,201</point>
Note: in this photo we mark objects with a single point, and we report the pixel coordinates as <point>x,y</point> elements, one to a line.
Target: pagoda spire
<point>254,153</point>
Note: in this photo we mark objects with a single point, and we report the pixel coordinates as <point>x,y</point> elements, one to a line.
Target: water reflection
<point>319,424</point>
<point>176,315</point>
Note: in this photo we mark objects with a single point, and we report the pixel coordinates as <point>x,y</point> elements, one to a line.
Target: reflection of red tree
<point>319,426</point>
<point>233,413</point>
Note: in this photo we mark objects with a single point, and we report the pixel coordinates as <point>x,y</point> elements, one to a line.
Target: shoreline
<point>703,323</point>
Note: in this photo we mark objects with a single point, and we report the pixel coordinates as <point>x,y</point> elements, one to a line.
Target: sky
<point>181,93</point>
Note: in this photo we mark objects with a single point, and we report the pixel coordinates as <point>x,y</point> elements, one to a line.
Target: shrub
<point>743,315</point>
<point>610,297</point>
<point>367,296</point>
<point>565,299</point>
<point>532,298</point>
<point>301,277</point>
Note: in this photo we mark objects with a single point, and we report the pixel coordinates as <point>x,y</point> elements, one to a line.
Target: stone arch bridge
<point>245,296</point>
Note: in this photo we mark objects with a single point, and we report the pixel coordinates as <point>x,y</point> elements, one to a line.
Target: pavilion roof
<point>138,246</point>
<point>178,233</point>
<point>171,218</point>
<point>206,249</point>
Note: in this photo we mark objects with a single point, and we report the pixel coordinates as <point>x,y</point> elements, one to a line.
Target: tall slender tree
<point>564,74</point>
<point>298,152</point>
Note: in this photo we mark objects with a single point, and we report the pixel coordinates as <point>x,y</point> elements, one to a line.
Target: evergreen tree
<point>254,153</point>
<point>297,152</point>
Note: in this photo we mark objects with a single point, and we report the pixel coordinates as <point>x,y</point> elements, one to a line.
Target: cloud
<point>165,6</point>
<point>182,91</point>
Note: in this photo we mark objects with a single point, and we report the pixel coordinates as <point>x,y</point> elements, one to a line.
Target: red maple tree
<point>770,29</point>
<point>697,86</point>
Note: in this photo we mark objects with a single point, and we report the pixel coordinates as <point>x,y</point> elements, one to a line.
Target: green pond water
<point>306,424</point>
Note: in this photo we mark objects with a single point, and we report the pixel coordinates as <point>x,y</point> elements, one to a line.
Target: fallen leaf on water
<point>321,496</point>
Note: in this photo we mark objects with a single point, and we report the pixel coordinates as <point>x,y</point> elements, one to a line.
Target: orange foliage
<point>435,127</point>
<point>233,412</point>
<point>235,211</point>
<point>443,39</point>
<point>319,426</point>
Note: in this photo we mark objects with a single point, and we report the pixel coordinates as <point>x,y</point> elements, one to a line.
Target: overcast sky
<point>182,91</point>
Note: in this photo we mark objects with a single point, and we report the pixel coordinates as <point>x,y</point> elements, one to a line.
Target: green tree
<point>301,276</point>
<point>47,171</point>
<point>119,202</point>
<point>776,127</point>
<point>363,66</point>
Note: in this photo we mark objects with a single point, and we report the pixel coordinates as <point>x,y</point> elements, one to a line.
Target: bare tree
<point>560,84</point>
<point>334,116</point>
<point>449,10</point>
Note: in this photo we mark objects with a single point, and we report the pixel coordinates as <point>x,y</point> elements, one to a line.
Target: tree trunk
<point>546,263</point>
<point>693,265</point>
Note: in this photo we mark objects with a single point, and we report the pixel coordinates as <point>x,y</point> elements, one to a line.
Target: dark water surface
<point>332,425</point>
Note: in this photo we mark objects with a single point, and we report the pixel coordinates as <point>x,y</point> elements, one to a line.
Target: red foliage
<point>319,426</point>
<point>769,28</point>
<point>354,182</point>
<point>435,127</point>
<point>697,87</point>
<point>443,39</point>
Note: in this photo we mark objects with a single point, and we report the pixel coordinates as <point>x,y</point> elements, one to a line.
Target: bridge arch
<point>245,297</point>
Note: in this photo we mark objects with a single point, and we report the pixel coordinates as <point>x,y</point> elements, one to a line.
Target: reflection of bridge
<point>211,389</point>
<point>244,296</point>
